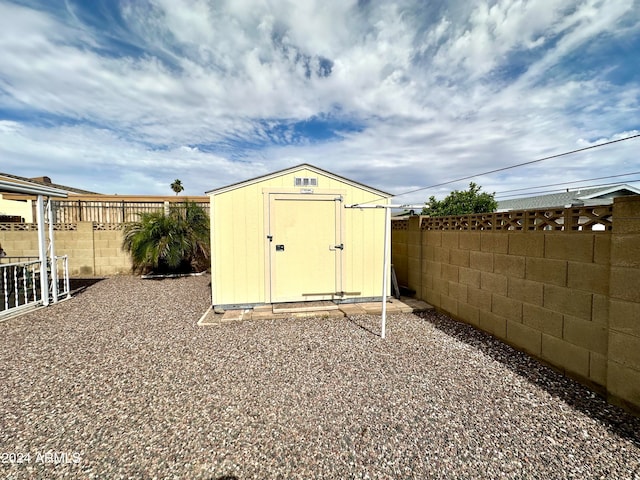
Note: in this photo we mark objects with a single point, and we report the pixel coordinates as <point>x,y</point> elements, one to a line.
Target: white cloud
<point>98,160</point>
<point>427,88</point>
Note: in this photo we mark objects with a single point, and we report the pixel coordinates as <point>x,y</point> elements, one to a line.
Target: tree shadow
<point>570,391</point>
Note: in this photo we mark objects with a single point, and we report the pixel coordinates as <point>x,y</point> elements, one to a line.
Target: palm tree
<point>175,242</point>
<point>176,186</point>
<point>194,223</point>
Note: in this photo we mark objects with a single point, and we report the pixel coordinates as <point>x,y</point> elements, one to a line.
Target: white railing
<point>60,277</point>
<point>20,280</point>
<point>19,285</point>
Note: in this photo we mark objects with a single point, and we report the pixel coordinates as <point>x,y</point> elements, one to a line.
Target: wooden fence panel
<point>72,211</point>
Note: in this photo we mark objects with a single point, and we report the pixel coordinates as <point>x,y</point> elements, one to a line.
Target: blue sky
<point>125,96</point>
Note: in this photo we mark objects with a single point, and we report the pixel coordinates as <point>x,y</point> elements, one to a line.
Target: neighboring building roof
<point>45,181</point>
<point>294,169</point>
<point>584,196</point>
<point>402,214</point>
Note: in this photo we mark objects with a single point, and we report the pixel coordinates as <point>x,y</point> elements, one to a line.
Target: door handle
<point>279,248</point>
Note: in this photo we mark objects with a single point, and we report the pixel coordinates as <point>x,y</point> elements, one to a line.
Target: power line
<point>568,183</point>
<point>558,155</point>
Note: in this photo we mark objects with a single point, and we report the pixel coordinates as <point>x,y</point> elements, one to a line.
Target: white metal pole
<point>67,288</point>
<point>42,249</point>
<point>52,254</point>
<point>387,241</point>
<point>385,272</point>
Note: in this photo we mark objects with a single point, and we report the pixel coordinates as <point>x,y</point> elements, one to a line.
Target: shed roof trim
<point>285,171</point>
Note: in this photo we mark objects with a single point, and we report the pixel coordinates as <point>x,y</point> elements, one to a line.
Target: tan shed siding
<point>239,260</point>
<point>249,246</point>
<point>239,236</point>
<point>364,230</point>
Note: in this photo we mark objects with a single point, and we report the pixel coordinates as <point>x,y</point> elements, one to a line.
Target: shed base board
<point>362,300</point>
<point>308,306</point>
<point>236,306</point>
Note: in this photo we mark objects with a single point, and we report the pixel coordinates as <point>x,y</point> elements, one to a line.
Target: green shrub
<point>173,242</point>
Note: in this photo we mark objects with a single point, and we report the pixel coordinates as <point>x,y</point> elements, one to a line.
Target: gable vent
<point>306,182</point>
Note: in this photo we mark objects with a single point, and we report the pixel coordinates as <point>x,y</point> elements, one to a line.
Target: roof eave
<point>31,189</point>
<point>612,189</point>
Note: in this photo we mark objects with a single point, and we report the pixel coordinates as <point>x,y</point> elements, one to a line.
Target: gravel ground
<point>119,382</point>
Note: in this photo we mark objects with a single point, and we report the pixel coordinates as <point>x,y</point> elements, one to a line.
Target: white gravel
<point>120,382</point>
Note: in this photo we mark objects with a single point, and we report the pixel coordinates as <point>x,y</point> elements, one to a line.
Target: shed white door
<point>305,247</point>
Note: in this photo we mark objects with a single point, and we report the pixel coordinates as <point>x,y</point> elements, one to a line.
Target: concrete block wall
<point>19,243</point>
<point>109,258</point>
<point>79,245</point>
<point>623,361</point>
<point>91,252</point>
<point>571,299</point>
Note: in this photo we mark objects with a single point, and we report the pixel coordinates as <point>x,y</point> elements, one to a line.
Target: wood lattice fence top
<point>574,219</point>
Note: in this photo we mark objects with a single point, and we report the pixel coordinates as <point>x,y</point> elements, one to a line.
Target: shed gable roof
<point>303,166</point>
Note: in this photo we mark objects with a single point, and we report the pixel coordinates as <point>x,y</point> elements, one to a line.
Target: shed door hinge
<point>337,247</point>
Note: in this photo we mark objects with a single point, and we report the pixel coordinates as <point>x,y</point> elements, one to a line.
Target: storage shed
<point>286,237</point>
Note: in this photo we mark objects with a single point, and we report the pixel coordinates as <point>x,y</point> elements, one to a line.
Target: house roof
<point>302,166</point>
<point>584,196</point>
<point>40,181</point>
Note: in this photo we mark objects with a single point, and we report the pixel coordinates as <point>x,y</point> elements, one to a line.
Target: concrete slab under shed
<point>314,309</point>
<point>232,315</point>
<point>350,309</point>
<point>320,306</point>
